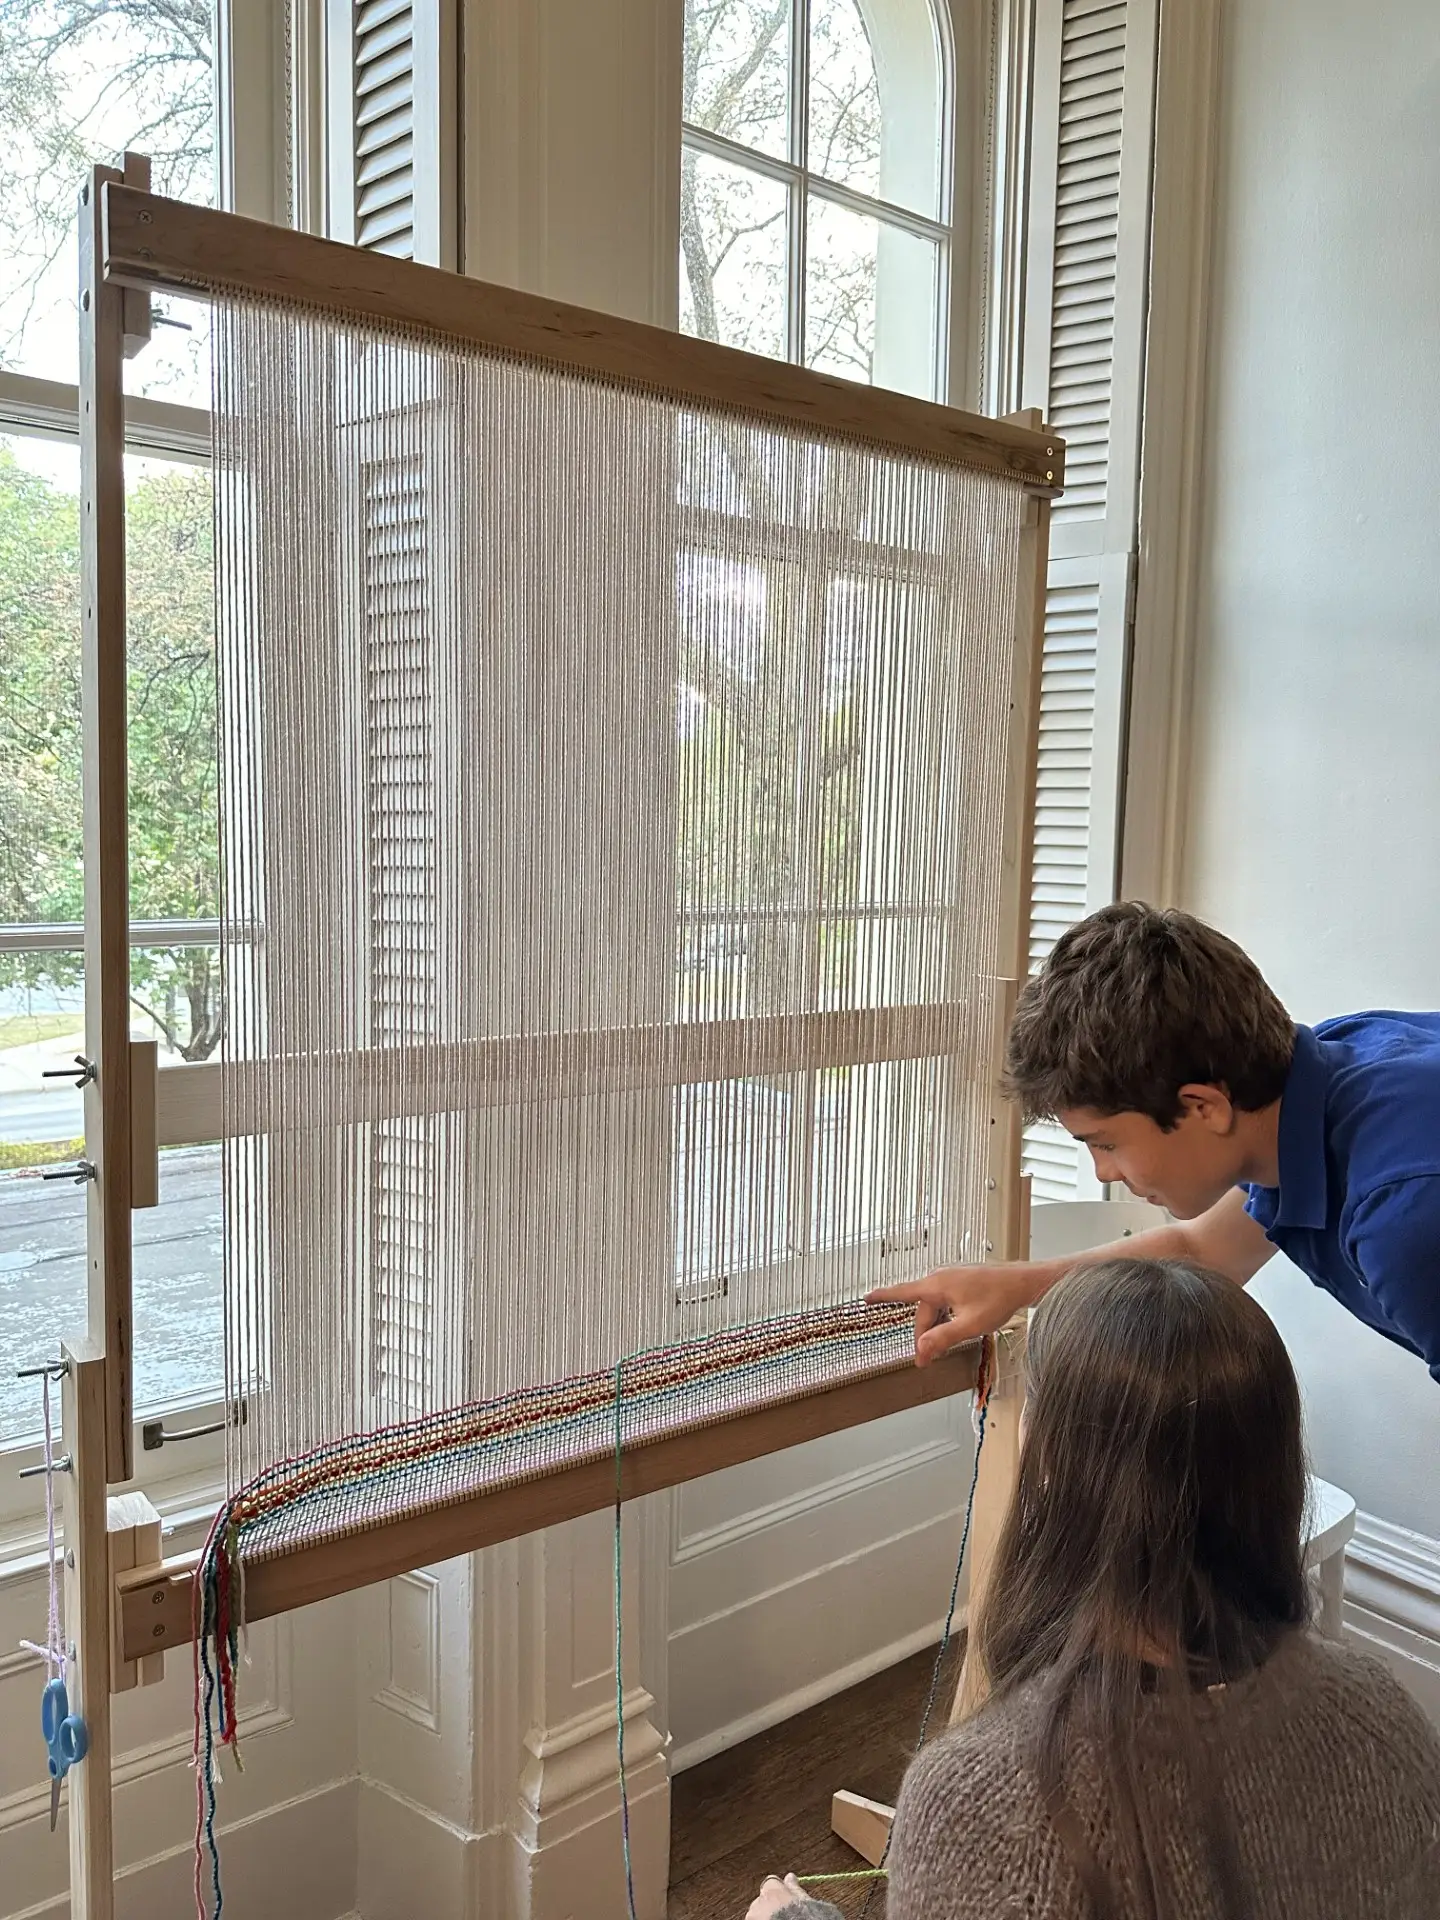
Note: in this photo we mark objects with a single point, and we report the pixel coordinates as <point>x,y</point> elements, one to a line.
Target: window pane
<point>40,864</point>
<point>81,80</point>
<point>876,125</point>
<point>173,824</point>
<point>844,97</point>
<point>174,820</point>
<point>737,71</point>
<point>177,1271</point>
<point>179,1335</point>
<point>733,248</point>
<point>871,300</point>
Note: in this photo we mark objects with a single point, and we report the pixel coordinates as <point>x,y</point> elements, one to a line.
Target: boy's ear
<point>1210,1105</point>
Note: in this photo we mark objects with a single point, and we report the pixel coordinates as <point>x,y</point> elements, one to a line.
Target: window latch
<point>154,1434</point>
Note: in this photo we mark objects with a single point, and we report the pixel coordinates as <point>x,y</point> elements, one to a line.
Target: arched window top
<point>815,204</point>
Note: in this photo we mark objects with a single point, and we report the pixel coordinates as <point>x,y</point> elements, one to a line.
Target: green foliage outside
<point>174,858</point>
<point>17,1156</point>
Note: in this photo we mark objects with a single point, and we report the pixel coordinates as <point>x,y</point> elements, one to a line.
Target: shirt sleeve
<point>1394,1239</point>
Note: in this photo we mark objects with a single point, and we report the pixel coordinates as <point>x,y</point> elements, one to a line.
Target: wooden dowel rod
<point>155,1605</point>
<point>157,243</point>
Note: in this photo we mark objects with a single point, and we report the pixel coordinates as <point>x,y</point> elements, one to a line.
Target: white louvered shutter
<point>391,110</point>
<point>1087,253</point>
<point>401,825</point>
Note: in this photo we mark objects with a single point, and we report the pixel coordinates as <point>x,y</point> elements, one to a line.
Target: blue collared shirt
<point>1358,1205</point>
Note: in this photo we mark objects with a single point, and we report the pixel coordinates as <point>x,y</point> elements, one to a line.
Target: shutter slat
<point>1082,334</point>
<point>383,132</point>
<point>403,969</point>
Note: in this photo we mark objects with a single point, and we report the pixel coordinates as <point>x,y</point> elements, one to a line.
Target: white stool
<point>1331,1522</point>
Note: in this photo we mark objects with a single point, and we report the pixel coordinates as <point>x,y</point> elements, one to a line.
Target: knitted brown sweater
<point>1329,1773</point>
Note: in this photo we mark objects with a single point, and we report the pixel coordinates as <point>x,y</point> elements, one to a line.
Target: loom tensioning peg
<point>82,1079</point>
<point>80,1172</point>
<point>62,1465</point>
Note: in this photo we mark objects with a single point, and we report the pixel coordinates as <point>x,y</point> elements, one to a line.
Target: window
<point>815,193</point>
<point>175,984</point>
<point>81,82</point>
<point>814,226</point>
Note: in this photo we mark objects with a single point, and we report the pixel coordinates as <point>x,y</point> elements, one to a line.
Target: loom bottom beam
<point>155,1603</point>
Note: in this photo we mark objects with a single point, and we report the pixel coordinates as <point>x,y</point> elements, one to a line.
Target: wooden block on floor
<point>133,1532</point>
<point>862,1824</point>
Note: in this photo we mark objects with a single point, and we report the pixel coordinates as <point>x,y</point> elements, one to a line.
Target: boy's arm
<point>981,1299</point>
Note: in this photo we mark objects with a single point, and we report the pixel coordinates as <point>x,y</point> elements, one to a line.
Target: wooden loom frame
<point>134,243</point>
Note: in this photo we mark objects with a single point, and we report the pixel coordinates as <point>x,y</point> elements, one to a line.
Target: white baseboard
<point>411,1861</point>
<point>1392,1603</point>
<point>796,1578</point>
<point>835,1680</point>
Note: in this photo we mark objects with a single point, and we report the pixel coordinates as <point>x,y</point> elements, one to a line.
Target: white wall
<point>1314,801</point>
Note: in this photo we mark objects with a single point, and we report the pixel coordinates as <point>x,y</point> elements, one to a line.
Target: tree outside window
<point>814,210</point>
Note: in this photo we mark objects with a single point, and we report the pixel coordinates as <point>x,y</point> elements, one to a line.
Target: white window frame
<point>792,172</point>
<point>255,149</point>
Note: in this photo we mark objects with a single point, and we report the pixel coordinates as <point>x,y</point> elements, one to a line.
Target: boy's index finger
<point>903,1293</point>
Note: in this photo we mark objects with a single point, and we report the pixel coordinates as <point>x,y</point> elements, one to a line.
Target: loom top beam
<point>159,244</point>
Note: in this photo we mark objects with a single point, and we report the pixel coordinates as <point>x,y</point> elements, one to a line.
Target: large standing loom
<point>626,750</point>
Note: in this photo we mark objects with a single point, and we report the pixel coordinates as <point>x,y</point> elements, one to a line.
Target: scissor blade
<point>54,1801</point>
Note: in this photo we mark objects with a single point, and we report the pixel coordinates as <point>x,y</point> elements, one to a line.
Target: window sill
<point>186,1504</point>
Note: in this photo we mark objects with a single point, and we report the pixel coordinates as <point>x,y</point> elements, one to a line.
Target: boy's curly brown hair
<point>1133,1005</point>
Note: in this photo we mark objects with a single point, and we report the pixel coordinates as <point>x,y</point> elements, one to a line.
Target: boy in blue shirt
<point>1156,1043</point>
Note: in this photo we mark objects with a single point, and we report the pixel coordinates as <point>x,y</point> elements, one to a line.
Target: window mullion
<point>800,192</point>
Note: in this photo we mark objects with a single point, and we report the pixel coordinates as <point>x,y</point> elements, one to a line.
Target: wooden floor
<point>764,1807</point>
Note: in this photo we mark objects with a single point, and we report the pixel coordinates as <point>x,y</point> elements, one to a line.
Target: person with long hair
<point>1162,1738</point>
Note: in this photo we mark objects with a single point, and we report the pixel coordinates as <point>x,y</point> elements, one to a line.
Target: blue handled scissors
<point>66,1737</point>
